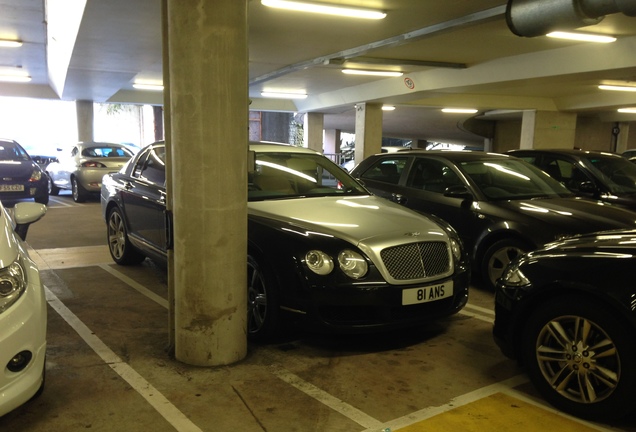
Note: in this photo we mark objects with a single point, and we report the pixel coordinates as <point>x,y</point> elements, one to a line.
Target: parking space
<point>108,368</point>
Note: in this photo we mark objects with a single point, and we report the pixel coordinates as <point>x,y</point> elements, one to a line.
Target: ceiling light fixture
<point>583,37</point>
<point>281,95</point>
<point>322,8</point>
<point>459,110</point>
<point>618,88</point>
<point>388,108</point>
<point>6,43</point>
<point>16,77</point>
<point>372,72</point>
<point>148,86</point>
<point>627,110</point>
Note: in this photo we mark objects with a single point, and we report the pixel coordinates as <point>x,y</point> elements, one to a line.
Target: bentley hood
<point>356,219</point>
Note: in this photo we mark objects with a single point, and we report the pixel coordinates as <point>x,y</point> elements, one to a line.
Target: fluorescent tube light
<point>459,110</point>
<point>146,86</point>
<point>388,108</point>
<point>372,72</point>
<point>582,37</point>
<point>323,8</point>
<point>618,88</point>
<point>17,78</point>
<point>627,110</point>
<point>280,95</point>
<point>6,43</point>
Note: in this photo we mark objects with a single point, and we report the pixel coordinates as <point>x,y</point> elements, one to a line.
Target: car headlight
<point>12,285</point>
<point>514,277</point>
<point>319,262</point>
<point>352,264</point>
<point>456,248</point>
<point>35,176</point>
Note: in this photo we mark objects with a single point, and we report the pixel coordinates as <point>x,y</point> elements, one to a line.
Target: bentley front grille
<point>416,260</point>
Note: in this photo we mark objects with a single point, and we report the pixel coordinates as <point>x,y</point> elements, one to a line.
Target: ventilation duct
<point>538,17</point>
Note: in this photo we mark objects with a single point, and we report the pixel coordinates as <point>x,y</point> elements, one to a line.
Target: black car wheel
<point>262,304</point>
<point>580,358</point>
<point>42,198</point>
<point>121,250</point>
<point>497,258</point>
<point>79,193</point>
<point>53,190</point>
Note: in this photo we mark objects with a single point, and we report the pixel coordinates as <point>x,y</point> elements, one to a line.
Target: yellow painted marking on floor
<point>495,413</point>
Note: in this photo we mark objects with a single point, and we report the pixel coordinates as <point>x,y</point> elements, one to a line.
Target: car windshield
<point>106,151</point>
<point>12,152</point>
<point>618,174</point>
<point>295,175</point>
<point>509,179</point>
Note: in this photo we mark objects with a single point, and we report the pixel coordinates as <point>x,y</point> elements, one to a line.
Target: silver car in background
<point>82,167</point>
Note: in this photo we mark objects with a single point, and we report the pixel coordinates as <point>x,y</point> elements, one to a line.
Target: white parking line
<point>479,313</point>
<point>327,399</point>
<point>158,401</point>
<point>133,284</point>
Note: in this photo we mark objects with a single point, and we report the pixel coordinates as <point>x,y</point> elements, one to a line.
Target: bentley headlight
<point>456,249</point>
<point>352,264</point>
<point>319,262</point>
<point>12,285</point>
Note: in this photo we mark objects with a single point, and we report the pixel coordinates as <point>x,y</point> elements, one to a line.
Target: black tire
<point>580,358</point>
<point>42,198</point>
<point>121,250</point>
<point>263,313</point>
<point>79,193</point>
<point>53,190</point>
<point>498,256</point>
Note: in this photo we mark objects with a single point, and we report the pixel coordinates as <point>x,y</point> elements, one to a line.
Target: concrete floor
<point>108,369</point>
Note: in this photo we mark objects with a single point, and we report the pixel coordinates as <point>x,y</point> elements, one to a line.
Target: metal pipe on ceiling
<point>531,18</point>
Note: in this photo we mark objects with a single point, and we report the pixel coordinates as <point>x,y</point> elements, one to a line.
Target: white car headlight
<point>319,262</point>
<point>456,249</point>
<point>352,264</point>
<point>12,285</point>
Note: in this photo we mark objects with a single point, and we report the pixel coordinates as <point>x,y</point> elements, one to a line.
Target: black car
<point>566,312</point>
<point>501,206</point>
<point>320,246</point>
<point>599,175</point>
<point>20,176</point>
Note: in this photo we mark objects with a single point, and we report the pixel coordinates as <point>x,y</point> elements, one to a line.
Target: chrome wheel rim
<point>74,186</point>
<point>578,359</point>
<point>498,262</point>
<point>116,235</point>
<point>256,299</point>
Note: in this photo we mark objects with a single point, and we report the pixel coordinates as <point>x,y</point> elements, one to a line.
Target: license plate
<point>427,294</point>
<point>11,188</point>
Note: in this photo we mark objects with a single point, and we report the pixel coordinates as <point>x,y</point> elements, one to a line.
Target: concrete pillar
<point>314,127</point>
<point>368,130</point>
<point>208,69</point>
<point>622,139</point>
<point>85,119</point>
<point>547,129</point>
<point>332,141</point>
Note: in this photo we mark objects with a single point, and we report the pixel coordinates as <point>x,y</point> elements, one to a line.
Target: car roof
<point>451,155</point>
<point>566,152</point>
<point>273,147</point>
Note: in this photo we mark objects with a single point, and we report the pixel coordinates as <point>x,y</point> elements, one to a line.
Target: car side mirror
<point>26,213</point>
<point>587,187</point>
<point>458,191</point>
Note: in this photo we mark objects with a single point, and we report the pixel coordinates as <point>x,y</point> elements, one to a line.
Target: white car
<point>82,167</point>
<point>22,310</point>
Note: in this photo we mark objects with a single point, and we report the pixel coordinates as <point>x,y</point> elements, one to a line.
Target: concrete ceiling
<point>457,53</point>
